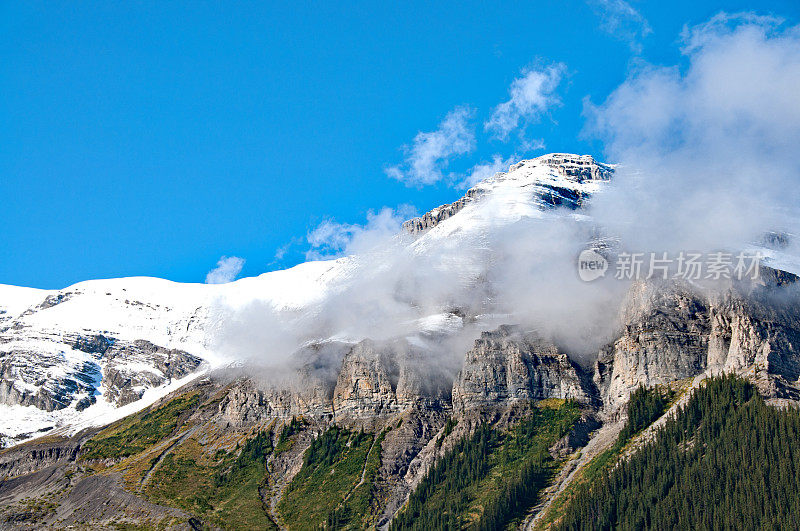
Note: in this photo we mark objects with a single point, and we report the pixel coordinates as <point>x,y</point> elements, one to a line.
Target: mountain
<point>84,352</point>
<point>458,373</point>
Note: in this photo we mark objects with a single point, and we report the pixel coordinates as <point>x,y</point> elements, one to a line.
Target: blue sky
<point>147,139</point>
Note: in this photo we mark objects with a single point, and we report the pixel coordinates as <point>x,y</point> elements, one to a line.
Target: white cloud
<point>707,153</point>
<point>622,21</point>
<point>531,95</point>
<point>228,268</point>
<point>431,152</point>
<point>331,239</point>
<point>520,271</point>
<point>484,170</point>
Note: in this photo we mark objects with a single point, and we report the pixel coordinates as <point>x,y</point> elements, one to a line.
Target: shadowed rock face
<point>508,365</point>
<point>25,379</point>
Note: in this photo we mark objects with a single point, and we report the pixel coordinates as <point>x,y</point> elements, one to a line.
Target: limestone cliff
<point>507,365</point>
<point>674,330</point>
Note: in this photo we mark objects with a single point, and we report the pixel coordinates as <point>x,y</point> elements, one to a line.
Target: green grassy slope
<point>328,489</point>
<point>223,489</point>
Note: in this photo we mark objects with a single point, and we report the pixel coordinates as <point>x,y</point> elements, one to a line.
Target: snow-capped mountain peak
<point>529,186</point>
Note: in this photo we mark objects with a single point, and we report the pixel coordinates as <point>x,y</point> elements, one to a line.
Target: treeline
<point>255,451</point>
<point>491,477</point>
<point>441,499</point>
<point>644,406</point>
<point>527,447</point>
<point>516,495</point>
<point>726,461</point>
<point>328,491</point>
<point>357,510</point>
<point>328,448</point>
<point>296,425</point>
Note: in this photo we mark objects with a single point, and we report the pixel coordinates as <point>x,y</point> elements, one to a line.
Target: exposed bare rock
<point>578,167</point>
<point>406,455</point>
<point>578,436</point>
<point>367,383</point>
<point>437,215</point>
<point>22,383</point>
<point>132,368</point>
<point>664,338</point>
<point>379,378</point>
<point>124,369</point>
<point>92,344</point>
<point>243,403</point>
<point>306,388</point>
<point>54,300</point>
<point>317,367</point>
<point>36,455</point>
<point>508,365</point>
<point>675,330</point>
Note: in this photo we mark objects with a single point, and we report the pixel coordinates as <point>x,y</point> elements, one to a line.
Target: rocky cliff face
<point>674,330</point>
<point>507,366</point>
<point>669,331</point>
<point>379,378</point>
<point>340,381</point>
<point>664,337</point>
<point>29,384</point>
<point>368,381</point>
<point>305,388</point>
<point>134,367</point>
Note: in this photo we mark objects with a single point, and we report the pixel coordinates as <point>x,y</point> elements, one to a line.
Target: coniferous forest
<point>726,461</point>
<point>489,479</point>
